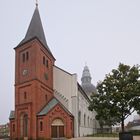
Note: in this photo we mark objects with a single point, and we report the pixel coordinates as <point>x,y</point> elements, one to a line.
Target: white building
<point>69,92</point>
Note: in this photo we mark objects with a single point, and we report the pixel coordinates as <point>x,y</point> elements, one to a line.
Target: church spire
<point>36,3</point>
<point>86,84</point>
<point>35,30</point>
<point>86,77</point>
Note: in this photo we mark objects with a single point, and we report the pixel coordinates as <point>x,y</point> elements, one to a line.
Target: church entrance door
<point>24,126</point>
<point>57,129</point>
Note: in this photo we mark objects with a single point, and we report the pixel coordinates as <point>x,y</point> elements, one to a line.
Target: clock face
<point>24,72</point>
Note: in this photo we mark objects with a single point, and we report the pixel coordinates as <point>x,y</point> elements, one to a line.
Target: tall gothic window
<point>46,97</point>
<point>88,121</point>
<point>25,125</point>
<point>23,57</point>
<point>25,95</point>
<point>13,127</point>
<point>79,117</point>
<point>27,55</point>
<point>46,63</point>
<point>84,119</point>
<point>91,122</point>
<point>43,60</point>
<point>41,126</point>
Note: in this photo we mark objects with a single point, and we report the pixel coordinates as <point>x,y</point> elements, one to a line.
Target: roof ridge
<point>49,106</point>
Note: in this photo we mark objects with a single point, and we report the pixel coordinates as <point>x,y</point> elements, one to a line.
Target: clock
<point>25,72</point>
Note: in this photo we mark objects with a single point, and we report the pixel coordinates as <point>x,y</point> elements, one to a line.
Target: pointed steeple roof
<point>35,30</point>
<point>86,82</point>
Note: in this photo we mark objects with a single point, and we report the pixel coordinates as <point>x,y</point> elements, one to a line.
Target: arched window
<point>23,57</point>
<point>84,119</point>
<point>57,122</point>
<point>79,117</point>
<point>25,125</point>
<point>13,127</point>
<point>44,60</point>
<point>25,95</point>
<point>46,97</point>
<point>47,63</point>
<point>71,125</point>
<point>27,55</point>
<point>41,126</point>
<point>88,121</point>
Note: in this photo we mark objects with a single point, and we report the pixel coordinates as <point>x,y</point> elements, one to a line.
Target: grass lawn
<point>104,135</point>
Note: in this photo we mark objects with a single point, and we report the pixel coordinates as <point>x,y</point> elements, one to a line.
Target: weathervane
<point>36,2</point>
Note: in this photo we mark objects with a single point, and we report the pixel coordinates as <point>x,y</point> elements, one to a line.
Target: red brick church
<point>38,114</point>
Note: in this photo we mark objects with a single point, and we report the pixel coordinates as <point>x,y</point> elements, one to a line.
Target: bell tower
<point>33,78</point>
<point>32,52</point>
<point>86,84</point>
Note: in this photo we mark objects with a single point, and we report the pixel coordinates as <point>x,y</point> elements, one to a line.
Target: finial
<point>36,3</point>
<point>85,63</point>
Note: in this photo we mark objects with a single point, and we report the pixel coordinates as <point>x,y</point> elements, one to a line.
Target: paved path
<point>137,138</point>
<point>98,138</point>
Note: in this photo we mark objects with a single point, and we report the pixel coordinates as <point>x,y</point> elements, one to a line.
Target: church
<point>49,101</point>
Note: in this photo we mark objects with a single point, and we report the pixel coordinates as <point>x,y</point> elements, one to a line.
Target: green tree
<point>118,95</point>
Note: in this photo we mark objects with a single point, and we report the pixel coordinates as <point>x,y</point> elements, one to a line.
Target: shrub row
<point>135,132</point>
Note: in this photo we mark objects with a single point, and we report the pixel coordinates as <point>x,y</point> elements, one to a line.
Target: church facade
<point>49,102</point>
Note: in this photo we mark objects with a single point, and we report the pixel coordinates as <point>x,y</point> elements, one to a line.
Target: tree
<point>118,95</point>
<point>101,104</point>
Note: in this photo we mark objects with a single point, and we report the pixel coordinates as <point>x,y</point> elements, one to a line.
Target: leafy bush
<point>135,132</point>
<point>104,135</point>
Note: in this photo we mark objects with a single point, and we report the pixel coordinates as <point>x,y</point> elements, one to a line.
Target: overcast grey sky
<point>99,32</point>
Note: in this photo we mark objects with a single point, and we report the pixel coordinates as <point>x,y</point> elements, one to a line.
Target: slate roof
<point>35,30</point>
<point>12,115</point>
<point>89,88</point>
<point>50,106</point>
<point>83,92</point>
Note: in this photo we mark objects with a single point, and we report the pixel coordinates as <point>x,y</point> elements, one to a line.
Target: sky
<point>100,33</point>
